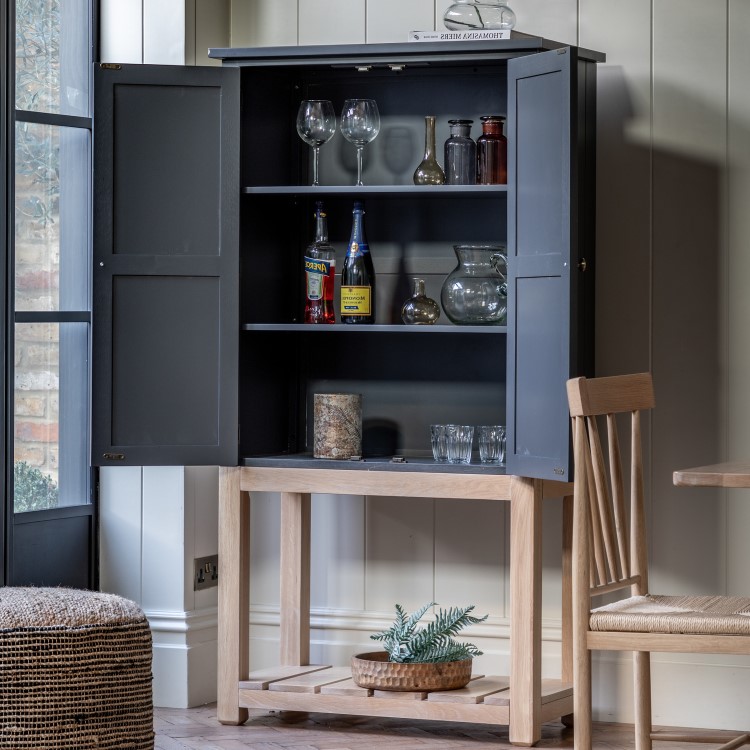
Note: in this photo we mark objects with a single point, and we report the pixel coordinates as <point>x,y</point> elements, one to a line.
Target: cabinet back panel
<point>402,394</point>
<point>396,416</point>
<point>269,388</point>
<point>279,157</point>
<point>408,236</point>
<point>271,265</point>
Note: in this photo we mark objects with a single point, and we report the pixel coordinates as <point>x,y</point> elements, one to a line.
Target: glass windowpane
<point>51,415</point>
<point>51,218</point>
<point>52,56</point>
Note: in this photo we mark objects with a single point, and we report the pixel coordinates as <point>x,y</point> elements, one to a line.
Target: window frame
<point>10,317</point>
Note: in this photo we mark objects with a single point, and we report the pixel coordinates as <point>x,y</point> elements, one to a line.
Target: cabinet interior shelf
<point>364,190</point>
<point>408,463</point>
<point>360,329</point>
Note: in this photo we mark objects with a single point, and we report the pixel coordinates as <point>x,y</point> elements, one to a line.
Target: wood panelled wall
<point>673,269</point>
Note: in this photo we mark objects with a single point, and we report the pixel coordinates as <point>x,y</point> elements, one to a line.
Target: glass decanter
<point>420,309</point>
<point>479,14</point>
<point>460,154</point>
<point>475,292</point>
<point>492,152</point>
<point>429,172</point>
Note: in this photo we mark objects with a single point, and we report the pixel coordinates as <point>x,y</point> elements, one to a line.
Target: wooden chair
<point>610,553</point>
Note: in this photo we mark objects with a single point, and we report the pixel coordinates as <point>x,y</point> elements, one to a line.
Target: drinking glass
<point>360,123</point>
<point>491,443</point>
<point>439,439</point>
<point>459,440</point>
<point>316,125</point>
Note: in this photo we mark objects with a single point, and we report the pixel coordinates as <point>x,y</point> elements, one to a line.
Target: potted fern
<point>420,658</point>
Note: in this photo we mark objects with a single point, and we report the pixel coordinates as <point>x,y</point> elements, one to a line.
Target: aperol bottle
<point>320,273</point>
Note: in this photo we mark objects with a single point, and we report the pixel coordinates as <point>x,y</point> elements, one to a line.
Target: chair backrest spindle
<point>616,551</point>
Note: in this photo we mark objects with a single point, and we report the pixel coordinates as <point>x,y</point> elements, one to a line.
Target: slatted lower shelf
<point>327,689</point>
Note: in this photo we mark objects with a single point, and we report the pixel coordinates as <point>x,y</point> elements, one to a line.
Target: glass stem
<point>359,165</point>
<point>316,151</point>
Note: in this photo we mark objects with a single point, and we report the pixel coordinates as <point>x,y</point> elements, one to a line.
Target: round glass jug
<point>475,292</point>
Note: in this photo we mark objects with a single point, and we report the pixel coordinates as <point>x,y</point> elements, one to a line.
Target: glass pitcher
<point>475,292</point>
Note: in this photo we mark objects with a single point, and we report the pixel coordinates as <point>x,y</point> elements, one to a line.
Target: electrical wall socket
<point>206,572</point>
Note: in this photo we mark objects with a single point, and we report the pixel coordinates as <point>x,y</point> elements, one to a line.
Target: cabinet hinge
<point>110,66</point>
<point>114,456</point>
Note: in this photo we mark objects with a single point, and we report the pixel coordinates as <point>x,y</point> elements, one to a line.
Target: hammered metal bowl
<point>374,671</point>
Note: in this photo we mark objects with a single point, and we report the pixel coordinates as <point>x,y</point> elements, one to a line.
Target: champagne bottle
<point>358,274</point>
<point>320,273</point>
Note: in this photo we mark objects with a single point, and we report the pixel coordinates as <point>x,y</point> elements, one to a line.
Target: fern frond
<point>433,643</point>
<point>452,651</point>
<point>415,617</point>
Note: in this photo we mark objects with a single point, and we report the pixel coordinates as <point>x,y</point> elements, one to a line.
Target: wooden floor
<point>198,729</point>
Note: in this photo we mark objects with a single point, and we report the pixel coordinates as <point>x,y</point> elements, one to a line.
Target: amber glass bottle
<point>492,152</point>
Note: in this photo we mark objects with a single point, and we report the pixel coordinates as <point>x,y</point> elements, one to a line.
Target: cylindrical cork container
<point>337,425</point>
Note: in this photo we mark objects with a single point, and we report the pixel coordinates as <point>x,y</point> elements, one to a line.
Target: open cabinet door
<point>550,232</point>
<point>166,265</point>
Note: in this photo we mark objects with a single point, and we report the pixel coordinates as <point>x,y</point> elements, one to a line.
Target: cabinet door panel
<point>166,248</point>
<point>544,108</point>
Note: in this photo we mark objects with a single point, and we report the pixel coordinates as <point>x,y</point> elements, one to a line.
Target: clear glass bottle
<point>420,309</point>
<point>475,292</point>
<point>320,273</point>
<point>358,274</point>
<point>460,154</point>
<point>429,172</point>
<point>492,152</point>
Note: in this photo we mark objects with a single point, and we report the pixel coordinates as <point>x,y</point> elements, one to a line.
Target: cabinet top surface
<point>518,44</point>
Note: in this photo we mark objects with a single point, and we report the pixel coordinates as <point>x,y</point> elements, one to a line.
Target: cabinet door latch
<point>582,265</point>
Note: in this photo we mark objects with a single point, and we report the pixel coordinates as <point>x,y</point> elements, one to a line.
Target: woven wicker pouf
<point>75,671</point>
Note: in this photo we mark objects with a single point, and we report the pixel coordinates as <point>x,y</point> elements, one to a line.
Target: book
<point>471,35</point>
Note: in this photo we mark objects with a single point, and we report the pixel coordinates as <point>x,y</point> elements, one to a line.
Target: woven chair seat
<point>75,671</point>
<point>697,615</point>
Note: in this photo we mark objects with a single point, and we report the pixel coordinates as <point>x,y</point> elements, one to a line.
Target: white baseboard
<point>688,690</point>
<point>185,656</point>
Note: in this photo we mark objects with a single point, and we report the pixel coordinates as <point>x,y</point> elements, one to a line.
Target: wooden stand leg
<point>567,598</point>
<point>295,579</point>
<point>525,611</point>
<point>234,595</point>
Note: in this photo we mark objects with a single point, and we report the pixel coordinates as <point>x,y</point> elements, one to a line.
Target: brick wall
<point>37,238</point>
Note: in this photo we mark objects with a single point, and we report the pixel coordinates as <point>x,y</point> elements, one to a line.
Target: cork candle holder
<point>337,425</point>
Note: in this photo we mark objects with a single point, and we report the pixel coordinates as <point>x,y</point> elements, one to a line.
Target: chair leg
<point>582,700</point>
<point>642,699</point>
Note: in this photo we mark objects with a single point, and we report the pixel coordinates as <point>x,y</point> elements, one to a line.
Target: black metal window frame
<point>9,317</point>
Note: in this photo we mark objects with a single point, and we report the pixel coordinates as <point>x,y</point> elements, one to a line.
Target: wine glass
<point>360,123</point>
<point>316,125</point>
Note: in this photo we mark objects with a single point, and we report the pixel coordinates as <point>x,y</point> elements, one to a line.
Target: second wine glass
<point>360,123</point>
<point>316,125</point>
